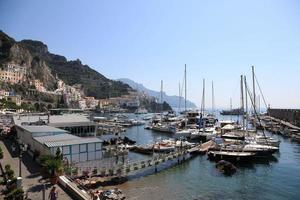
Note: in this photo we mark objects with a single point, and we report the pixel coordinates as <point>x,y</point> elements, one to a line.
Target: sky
<point>150,41</point>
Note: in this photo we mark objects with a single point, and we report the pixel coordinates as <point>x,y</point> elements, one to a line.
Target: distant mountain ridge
<point>171,100</point>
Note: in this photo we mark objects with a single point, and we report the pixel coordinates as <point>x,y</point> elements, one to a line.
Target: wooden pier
<point>201,148</point>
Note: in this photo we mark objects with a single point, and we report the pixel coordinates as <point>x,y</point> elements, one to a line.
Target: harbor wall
<point>289,115</point>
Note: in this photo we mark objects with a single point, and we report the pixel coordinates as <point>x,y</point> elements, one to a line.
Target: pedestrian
<point>53,195</point>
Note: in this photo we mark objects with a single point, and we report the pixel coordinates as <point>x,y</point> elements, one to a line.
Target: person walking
<point>53,195</point>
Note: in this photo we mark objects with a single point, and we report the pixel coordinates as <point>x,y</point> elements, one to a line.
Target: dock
<point>283,123</point>
<point>201,148</point>
<point>116,171</point>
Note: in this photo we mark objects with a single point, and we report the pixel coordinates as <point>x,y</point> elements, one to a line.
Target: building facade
<point>12,73</point>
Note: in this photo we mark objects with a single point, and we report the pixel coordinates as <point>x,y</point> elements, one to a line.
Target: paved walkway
<point>32,180</point>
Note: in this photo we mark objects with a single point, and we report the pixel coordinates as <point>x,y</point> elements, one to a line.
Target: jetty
<point>118,172</point>
<point>201,148</point>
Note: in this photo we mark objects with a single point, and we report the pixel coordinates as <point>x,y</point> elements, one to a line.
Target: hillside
<point>171,100</point>
<point>43,65</point>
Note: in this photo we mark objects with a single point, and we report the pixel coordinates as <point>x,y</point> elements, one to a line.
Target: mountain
<point>172,100</point>
<point>45,66</point>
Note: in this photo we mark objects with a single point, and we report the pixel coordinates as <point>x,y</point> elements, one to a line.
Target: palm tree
<point>52,166</point>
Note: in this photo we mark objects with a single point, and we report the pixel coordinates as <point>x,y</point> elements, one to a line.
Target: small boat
<point>141,111</point>
<point>147,118</point>
<point>163,128</point>
<point>263,140</point>
<point>207,134</point>
<point>233,136</point>
<point>230,155</point>
<point>233,112</point>
<point>185,133</point>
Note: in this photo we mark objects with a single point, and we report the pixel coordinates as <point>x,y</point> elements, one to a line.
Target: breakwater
<point>289,115</point>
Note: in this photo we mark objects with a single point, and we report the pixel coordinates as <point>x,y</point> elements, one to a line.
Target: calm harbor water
<point>275,178</point>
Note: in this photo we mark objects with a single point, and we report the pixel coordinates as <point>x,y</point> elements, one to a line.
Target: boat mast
<point>242,102</point>
<point>179,99</point>
<point>231,108</point>
<point>203,102</point>
<point>246,101</point>
<point>161,99</point>
<point>212,98</point>
<point>185,87</point>
<point>258,103</point>
<point>254,94</point>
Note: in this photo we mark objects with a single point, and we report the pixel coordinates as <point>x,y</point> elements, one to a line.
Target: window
<point>75,149</point>
<point>82,148</point>
<point>66,150</point>
<point>98,146</point>
<point>91,155</point>
<point>83,157</point>
<point>91,147</point>
<point>75,158</point>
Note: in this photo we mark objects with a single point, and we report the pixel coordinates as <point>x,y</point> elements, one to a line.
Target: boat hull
<point>230,156</point>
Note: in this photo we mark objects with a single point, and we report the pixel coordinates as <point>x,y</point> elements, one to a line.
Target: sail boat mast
<point>203,105</point>
<point>242,102</point>
<point>161,98</point>
<point>179,99</point>
<point>231,108</point>
<point>246,101</point>
<point>212,98</point>
<point>185,87</point>
<point>254,95</point>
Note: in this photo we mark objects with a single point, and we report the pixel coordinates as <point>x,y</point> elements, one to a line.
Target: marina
<point>149,100</point>
<point>199,172</point>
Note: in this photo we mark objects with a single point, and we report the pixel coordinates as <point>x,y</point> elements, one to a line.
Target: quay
<point>111,175</point>
<point>281,127</point>
<point>123,169</point>
<point>201,148</point>
<point>287,115</point>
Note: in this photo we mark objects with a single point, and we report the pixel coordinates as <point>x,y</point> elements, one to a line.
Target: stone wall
<point>289,115</point>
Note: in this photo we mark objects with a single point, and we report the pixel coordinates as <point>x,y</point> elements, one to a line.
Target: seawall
<point>289,115</point>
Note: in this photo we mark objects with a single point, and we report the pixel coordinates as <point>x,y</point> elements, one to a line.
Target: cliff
<point>43,65</point>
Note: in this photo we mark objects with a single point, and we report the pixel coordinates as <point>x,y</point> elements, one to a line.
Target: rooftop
<point>43,129</point>
<point>53,119</point>
<point>72,124</point>
<point>64,140</point>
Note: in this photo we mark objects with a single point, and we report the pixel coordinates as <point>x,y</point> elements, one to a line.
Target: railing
<point>124,168</point>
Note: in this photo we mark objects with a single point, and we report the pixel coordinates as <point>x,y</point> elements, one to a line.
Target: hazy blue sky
<point>149,41</point>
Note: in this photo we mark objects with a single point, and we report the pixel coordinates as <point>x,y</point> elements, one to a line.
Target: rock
<point>226,167</point>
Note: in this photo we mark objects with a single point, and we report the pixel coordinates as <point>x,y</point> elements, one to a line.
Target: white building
<point>46,140</point>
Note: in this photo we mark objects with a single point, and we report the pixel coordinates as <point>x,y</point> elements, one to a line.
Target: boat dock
<point>124,168</point>
<point>281,122</point>
<point>201,148</point>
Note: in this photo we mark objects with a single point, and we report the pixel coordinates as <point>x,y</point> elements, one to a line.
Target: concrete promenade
<point>32,180</point>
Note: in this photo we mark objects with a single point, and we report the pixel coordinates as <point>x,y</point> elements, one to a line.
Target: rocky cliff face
<point>45,66</point>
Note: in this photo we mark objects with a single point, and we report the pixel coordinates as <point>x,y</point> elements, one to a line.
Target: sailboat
<point>160,124</point>
<point>190,118</point>
<point>239,148</point>
<point>206,122</point>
